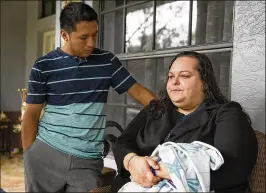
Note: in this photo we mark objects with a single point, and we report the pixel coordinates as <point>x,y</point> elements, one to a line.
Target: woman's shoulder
<point>233,109</point>
<point>231,105</point>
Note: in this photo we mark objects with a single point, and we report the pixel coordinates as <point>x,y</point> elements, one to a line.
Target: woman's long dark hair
<point>211,89</point>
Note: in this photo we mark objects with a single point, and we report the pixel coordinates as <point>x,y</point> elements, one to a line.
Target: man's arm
<point>30,123</point>
<point>141,94</point>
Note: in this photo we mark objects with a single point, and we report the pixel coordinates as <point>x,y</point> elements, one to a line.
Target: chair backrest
<point>258,179</point>
<point>109,139</point>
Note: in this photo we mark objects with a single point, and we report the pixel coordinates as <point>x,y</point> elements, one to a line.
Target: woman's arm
<point>126,142</point>
<point>235,139</point>
<point>126,153</point>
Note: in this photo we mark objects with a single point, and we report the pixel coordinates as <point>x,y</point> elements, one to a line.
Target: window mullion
<point>124,6</point>
<point>100,36</point>
<point>190,23</point>
<point>124,29</point>
<point>154,26</point>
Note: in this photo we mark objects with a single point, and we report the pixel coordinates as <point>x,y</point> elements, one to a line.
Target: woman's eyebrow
<point>186,71</point>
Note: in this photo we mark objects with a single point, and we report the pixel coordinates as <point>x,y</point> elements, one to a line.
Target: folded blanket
<point>188,165</point>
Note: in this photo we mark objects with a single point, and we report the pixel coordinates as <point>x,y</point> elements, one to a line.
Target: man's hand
<point>139,168</point>
<point>29,124</point>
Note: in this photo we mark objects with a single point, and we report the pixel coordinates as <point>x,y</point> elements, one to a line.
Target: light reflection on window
<point>139,28</point>
<point>172,24</point>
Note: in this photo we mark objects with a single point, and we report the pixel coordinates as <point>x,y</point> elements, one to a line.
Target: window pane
<point>113,31</point>
<point>221,66</point>
<point>133,1</point>
<point>162,72</point>
<point>212,22</point>
<point>111,4</point>
<point>116,113</point>
<point>139,21</point>
<point>47,8</point>
<point>143,71</point>
<point>172,28</point>
<point>131,113</point>
<point>114,97</point>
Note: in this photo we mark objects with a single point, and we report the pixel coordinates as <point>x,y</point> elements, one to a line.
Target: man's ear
<point>64,35</point>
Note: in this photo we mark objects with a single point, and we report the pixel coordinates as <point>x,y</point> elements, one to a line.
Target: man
<point>62,151</point>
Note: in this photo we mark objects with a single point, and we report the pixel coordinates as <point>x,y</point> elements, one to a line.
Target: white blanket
<point>188,165</point>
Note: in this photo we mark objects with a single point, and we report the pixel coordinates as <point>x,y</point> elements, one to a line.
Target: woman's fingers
<point>141,172</point>
<point>152,163</point>
<point>153,179</point>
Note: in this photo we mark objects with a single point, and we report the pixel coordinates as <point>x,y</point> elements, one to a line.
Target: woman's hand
<point>162,171</point>
<point>139,168</point>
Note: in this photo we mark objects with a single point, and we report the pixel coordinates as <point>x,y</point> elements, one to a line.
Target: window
<point>139,19</point>
<point>172,28</point>
<point>143,26</point>
<point>47,8</point>
<point>146,35</point>
<point>64,2</point>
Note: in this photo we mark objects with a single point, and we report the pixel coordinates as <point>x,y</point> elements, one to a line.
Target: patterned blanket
<point>188,165</point>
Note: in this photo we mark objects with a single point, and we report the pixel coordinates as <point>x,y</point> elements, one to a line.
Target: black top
<point>224,126</point>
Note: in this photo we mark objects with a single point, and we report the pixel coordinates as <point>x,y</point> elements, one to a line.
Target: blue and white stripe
<point>74,94</point>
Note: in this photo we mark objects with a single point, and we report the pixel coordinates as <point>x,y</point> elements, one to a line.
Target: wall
<point>21,44</point>
<point>35,29</point>
<point>13,44</point>
<point>248,64</point>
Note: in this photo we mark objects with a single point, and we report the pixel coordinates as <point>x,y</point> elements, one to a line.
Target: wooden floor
<point>12,174</point>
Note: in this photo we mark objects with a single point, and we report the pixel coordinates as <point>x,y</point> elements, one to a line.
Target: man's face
<point>81,42</point>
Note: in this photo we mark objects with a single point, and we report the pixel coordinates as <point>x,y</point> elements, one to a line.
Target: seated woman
<point>191,108</point>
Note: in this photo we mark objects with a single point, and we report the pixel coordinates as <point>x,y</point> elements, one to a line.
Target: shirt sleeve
<point>121,79</point>
<point>36,86</point>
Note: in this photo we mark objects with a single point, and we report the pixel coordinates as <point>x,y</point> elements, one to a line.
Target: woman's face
<point>184,85</point>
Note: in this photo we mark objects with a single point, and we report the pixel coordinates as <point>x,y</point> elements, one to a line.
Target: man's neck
<point>67,50</point>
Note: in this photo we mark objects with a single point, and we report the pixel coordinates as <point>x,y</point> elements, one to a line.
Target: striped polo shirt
<point>74,91</point>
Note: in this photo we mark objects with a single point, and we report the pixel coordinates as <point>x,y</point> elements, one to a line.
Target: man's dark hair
<point>75,12</point>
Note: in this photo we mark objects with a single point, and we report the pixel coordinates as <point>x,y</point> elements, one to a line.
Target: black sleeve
<point>126,143</point>
<point>236,140</point>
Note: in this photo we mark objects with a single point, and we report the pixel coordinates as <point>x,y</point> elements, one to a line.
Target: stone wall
<point>248,62</point>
